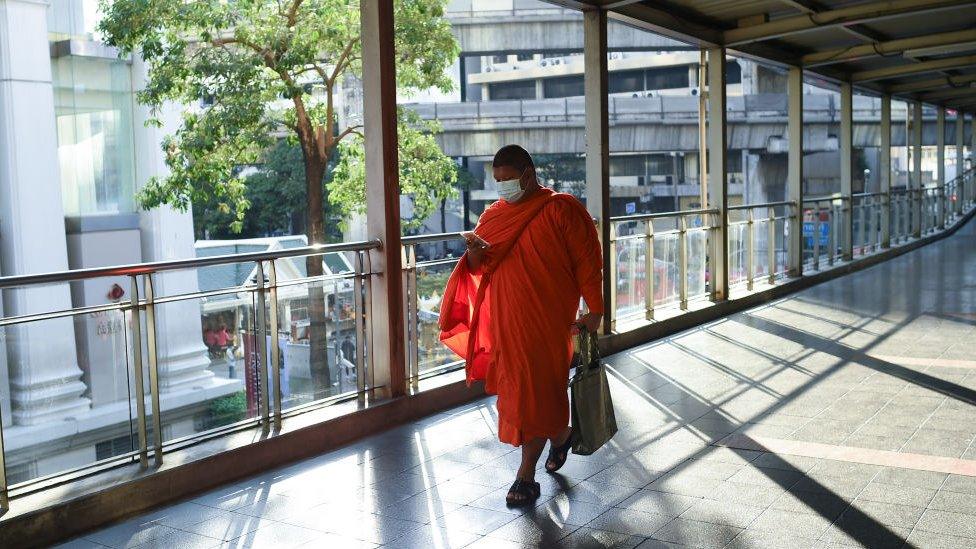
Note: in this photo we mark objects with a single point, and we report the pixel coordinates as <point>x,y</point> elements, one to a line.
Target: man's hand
<point>592,321</point>
<point>476,247</point>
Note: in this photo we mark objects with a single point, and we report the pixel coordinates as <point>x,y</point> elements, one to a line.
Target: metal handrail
<point>177,264</point>
<point>827,198</point>
<point>762,205</point>
<point>664,215</point>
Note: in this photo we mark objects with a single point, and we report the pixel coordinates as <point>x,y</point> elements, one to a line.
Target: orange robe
<point>512,319</point>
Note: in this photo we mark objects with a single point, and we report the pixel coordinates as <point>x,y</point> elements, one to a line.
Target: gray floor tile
<point>228,527</point>
<point>474,519</point>
<point>588,538</point>
<point>599,493</point>
<point>956,502</point>
<point>798,524</point>
<point>80,543</point>
<point>432,536</point>
<point>753,539</point>
<point>716,512</point>
<point>865,534</point>
<point>423,507</point>
<point>626,521</point>
<point>129,534</point>
<point>564,510</point>
<point>697,534</point>
<point>181,540</point>
<point>533,530</point>
<point>911,478</point>
<point>659,503</point>
<point>274,535</point>
<point>891,514</point>
<point>946,522</point>
<point>960,483</point>
<point>915,497</point>
<point>931,540</point>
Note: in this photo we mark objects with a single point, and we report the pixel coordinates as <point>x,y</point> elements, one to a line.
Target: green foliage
<point>228,409</point>
<point>276,194</point>
<point>272,67</point>
<point>563,172</point>
<point>426,175</point>
<point>431,281</point>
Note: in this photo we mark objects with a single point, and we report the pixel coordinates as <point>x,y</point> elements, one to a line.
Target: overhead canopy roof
<point>913,49</point>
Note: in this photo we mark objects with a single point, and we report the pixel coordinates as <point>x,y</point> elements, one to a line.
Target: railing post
<point>261,342</point>
<point>940,167</point>
<point>597,129</point>
<point>960,161</point>
<point>718,183</point>
<point>360,319</point>
<point>916,184</point>
<point>832,232</point>
<point>846,169</point>
<point>750,250</point>
<point>275,344</point>
<point>861,217</point>
<point>771,247</point>
<point>885,174</point>
<point>682,262</point>
<point>138,379</point>
<point>816,236</point>
<point>611,250</point>
<point>388,351</point>
<point>649,269</point>
<point>794,186</point>
<point>153,352</point>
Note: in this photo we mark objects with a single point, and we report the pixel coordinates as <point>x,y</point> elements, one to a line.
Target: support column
<point>44,375</point>
<point>916,182</point>
<point>598,142</point>
<point>846,170</point>
<point>794,185</point>
<point>940,164</point>
<point>960,161</point>
<point>388,348</point>
<point>884,177</point>
<point>167,234</point>
<point>717,179</point>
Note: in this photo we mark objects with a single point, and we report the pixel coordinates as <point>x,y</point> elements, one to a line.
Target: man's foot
<point>522,492</point>
<point>559,453</point>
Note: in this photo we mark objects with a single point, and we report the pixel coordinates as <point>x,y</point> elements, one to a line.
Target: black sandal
<point>526,492</point>
<point>559,454</point>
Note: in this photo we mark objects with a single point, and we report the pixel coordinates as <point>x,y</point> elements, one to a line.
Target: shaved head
<point>512,156</point>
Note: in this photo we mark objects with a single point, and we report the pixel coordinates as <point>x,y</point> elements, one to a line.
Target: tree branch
<point>293,13</point>
<point>342,60</point>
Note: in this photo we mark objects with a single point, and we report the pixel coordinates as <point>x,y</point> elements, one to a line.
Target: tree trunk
<point>322,373</point>
<point>444,222</point>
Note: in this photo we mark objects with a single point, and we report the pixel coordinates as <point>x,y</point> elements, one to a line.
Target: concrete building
<point>74,150</point>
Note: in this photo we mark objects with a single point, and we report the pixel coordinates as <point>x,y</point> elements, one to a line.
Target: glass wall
<point>93,103</point>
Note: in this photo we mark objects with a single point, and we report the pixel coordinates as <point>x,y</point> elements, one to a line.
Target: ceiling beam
<point>932,84</point>
<point>663,20</point>
<point>851,15</point>
<point>949,93</point>
<point>933,65</point>
<point>891,47</point>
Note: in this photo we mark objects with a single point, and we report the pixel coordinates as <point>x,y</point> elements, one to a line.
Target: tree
<point>275,192</point>
<point>269,67</point>
<point>564,172</point>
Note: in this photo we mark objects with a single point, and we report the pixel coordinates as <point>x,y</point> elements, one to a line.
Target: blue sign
<point>808,228</point>
<point>631,208</point>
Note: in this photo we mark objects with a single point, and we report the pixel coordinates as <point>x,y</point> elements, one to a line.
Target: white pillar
<point>794,186</point>
<point>846,170</point>
<point>166,235</point>
<point>717,173</point>
<point>43,367</point>
<point>598,142</point>
<point>940,163</point>
<point>916,195</point>
<point>885,167</point>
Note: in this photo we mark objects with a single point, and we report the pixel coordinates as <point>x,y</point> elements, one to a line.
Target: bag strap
<point>588,349</point>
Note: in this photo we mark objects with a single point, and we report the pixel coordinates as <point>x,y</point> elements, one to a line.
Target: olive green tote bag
<point>592,408</point>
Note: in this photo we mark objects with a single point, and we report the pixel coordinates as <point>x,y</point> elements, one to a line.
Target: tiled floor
<point>812,389</point>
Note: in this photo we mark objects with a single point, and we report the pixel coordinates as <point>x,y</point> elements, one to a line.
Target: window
<point>733,73</point>
<point>116,446</point>
<point>498,59</point>
<point>521,89</point>
<point>626,81</point>
<point>564,86</point>
<point>524,56</point>
<point>626,165</point>
<point>660,164</point>
<point>667,78</point>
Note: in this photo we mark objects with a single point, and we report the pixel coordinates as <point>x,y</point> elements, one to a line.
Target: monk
<point>510,309</point>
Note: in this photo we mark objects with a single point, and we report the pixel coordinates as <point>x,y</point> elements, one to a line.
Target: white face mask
<point>510,190</point>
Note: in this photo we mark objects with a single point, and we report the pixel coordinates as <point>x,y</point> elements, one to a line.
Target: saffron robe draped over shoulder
<point>511,320</point>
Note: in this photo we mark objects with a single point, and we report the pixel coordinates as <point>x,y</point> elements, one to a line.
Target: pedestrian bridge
<point>841,415</point>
